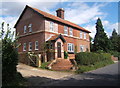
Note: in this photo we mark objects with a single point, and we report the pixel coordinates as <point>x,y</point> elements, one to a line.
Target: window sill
<point>70,52</point>
<point>36,49</point>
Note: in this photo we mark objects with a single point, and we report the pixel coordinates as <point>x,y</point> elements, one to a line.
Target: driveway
<point>37,76</point>
<point>106,76</point>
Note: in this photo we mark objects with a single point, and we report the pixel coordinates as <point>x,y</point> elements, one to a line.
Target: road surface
<point>106,76</point>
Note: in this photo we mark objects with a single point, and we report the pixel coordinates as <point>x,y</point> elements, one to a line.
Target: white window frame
<point>30,27</point>
<point>24,46</point>
<point>36,45</point>
<point>51,26</point>
<point>82,48</point>
<point>84,35</point>
<point>71,31</point>
<point>70,47</point>
<point>81,35</point>
<point>30,46</point>
<point>25,29</point>
<point>65,30</point>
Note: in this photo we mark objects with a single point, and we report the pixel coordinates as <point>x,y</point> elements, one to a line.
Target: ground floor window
<point>30,46</point>
<point>70,47</point>
<point>36,45</point>
<point>81,48</point>
<point>24,47</point>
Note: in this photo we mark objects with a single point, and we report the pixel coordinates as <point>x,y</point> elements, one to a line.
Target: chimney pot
<point>60,13</point>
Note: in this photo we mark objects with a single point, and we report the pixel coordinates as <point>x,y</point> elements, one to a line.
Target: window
<point>30,46</point>
<point>24,47</point>
<point>71,31</point>
<point>36,45</point>
<point>25,29</point>
<point>30,27</point>
<point>51,26</point>
<point>84,35</point>
<point>81,35</point>
<point>65,30</point>
<point>70,47</point>
<point>81,48</point>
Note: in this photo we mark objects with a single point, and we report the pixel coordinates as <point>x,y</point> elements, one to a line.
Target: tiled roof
<point>54,38</point>
<point>47,15</point>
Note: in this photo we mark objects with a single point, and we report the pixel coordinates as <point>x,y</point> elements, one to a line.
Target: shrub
<point>44,65</point>
<point>115,53</point>
<point>90,58</point>
<point>65,55</point>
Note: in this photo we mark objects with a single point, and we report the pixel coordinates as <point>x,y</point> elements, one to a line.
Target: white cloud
<point>82,13</point>
<point>92,29</point>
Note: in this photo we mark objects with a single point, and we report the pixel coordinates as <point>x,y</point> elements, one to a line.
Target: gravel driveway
<point>37,76</point>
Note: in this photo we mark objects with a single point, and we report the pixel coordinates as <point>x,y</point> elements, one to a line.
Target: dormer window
<point>65,30</point>
<point>30,27</point>
<point>25,29</point>
<point>51,26</point>
<point>71,32</point>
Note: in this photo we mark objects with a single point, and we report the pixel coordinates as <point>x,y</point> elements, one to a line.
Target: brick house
<point>36,27</point>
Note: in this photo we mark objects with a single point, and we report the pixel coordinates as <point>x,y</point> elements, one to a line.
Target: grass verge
<point>86,68</point>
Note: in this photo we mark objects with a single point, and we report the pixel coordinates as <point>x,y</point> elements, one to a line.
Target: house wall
<point>75,39</point>
<point>37,34</point>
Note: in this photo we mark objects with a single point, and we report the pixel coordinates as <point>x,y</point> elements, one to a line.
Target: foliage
<point>115,40</point>
<point>65,55</point>
<point>101,41</point>
<point>84,68</point>
<point>9,56</point>
<point>90,58</point>
<point>115,53</point>
<point>44,65</point>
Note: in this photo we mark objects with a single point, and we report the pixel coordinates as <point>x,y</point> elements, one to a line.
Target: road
<point>106,76</point>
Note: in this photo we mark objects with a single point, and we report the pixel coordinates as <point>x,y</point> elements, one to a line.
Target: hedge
<point>90,58</point>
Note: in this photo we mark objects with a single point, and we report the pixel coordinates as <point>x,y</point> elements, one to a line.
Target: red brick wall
<point>30,17</point>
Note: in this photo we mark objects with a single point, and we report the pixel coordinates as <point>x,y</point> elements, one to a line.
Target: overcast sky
<point>84,14</point>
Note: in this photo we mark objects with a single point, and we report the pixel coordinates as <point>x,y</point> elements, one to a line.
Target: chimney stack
<point>60,13</point>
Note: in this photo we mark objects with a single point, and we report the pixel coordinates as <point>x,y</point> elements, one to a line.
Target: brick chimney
<point>60,13</point>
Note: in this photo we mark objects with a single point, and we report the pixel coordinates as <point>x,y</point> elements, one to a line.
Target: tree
<point>114,40</point>
<point>101,41</point>
<point>9,58</point>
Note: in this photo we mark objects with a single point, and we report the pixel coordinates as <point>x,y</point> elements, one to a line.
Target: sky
<point>85,14</point>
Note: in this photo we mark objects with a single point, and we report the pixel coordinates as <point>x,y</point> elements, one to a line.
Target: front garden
<point>87,61</point>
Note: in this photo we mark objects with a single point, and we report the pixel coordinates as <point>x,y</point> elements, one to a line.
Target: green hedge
<point>84,68</point>
<point>90,58</point>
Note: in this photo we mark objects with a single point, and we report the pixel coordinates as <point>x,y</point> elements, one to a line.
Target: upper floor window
<point>30,27</point>
<point>81,35</point>
<point>25,29</point>
<point>24,46</point>
<point>51,26</point>
<point>81,48</point>
<point>84,35</point>
<point>36,45</point>
<point>71,31</point>
<point>30,46</point>
<point>65,30</point>
<point>70,47</point>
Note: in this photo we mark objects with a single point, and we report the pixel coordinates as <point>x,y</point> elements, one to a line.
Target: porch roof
<point>56,37</point>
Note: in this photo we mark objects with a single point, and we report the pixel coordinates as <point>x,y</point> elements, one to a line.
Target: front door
<point>59,49</point>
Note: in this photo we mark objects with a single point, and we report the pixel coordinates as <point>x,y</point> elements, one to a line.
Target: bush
<point>44,65</point>
<point>65,55</point>
<point>90,58</point>
<point>115,53</point>
<point>84,68</point>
